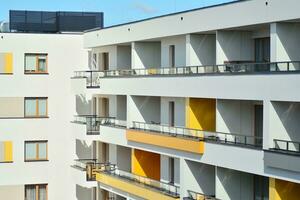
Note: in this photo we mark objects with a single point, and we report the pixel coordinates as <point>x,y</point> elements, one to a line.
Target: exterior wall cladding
<point>202,104</point>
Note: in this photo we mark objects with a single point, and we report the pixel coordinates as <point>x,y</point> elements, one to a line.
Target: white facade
<point>222,77</point>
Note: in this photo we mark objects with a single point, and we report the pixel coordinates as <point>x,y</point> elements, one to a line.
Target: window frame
<point>37,189</point>
<point>37,115</point>
<point>37,66</point>
<point>37,142</point>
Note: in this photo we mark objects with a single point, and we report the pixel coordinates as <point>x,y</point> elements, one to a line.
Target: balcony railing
<point>225,138</point>
<point>92,77</point>
<point>82,163</point>
<point>93,122</point>
<point>111,169</point>
<point>198,196</point>
<point>286,146</point>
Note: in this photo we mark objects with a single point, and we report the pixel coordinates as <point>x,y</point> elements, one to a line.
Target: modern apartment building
<point>35,110</point>
<point>202,104</point>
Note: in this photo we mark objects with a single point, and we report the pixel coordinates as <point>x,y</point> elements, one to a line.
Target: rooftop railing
<point>225,138</point>
<point>286,146</point>
<point>93,122</point>
<point>198,196</point>
<point>166,188</point>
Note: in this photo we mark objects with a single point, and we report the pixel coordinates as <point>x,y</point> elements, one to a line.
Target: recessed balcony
<point>140,186</point>
<point>186,139</point>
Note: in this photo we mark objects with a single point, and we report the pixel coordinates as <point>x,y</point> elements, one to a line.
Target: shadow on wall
<point>204,175</point>
<point>236,45</point>
<point>288,34</point>
<point>83,106</point>
<point>149,53</point>
<point>83,193</point>
<point>289,115</point>
<point>149,108</point>
<point>83,150</point>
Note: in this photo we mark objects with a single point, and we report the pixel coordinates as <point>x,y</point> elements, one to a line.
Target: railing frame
<point>287,144</point>
<point>111,169</point>
<point>210,136</point>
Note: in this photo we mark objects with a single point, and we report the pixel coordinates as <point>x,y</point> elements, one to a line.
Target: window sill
<point>36,73</point>
<point>33,117</point>
<point>2,162</point>
<point>36,160</point>
<point>6,73</point>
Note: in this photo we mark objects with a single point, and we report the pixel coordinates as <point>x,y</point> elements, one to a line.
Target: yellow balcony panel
<point>132,187</point>
<point>168,141</point>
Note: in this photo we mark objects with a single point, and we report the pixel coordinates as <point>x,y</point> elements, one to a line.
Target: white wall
<point>284,122</point>
<point>233,185</point>
<point>234,116</point>
<point>165,172</point>
<point>200,49</point>
<point>143,109</point>
<point>146,55</point>
<point>197,177</point>
<point>238,14</point>
<point>65,54</point>
<point>124,57</point>
<point>121,107</point>
<point>180,50</point>
<point>285,42</point>
<point>179,110</point>
<point>112,56</point>
<point>13,192</point>
<point>234,46</point>
<point>124,158</point>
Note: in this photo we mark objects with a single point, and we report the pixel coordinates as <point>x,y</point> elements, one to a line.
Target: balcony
<point>92,78</point>
<point>198,196</point>
<point>93,123</point>
<point>85,165</point>
<point>185,139</point>
<point>133,184</point>
<point>284,155</point>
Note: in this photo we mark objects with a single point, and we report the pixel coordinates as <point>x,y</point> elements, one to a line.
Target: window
<point>36,151</point>
<point>36,192</point>
<point>36,63</point>
<point>6,151</point>
<point>36,107</point>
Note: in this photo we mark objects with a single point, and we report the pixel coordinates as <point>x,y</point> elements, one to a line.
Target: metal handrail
<point>285,145</point>
<point>82,163</point>
<point>196,195</point>
<point>227,138</point>
<point>93,122</point>
<point>111,169</point>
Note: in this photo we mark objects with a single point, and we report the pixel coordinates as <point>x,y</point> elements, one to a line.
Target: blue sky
<point>115,11</point>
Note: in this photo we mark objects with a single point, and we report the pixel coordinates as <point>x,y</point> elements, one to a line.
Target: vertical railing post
<point>287,145</point>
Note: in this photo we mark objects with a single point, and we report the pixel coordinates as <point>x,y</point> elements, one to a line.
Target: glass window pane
<point>30,63</point>
<point>42,192</point>
<point>30,193</point>
<point>42,151</point>
<point>42,107</point>
<point>30,107</point>
<point>42,63</point>
<point>30,151</point>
